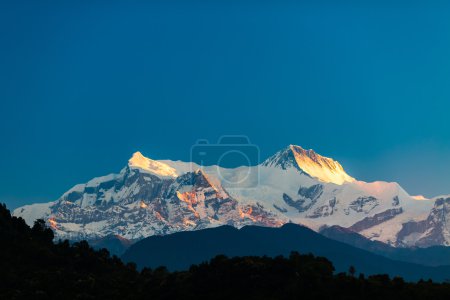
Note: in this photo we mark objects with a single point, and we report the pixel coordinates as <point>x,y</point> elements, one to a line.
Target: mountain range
<point>159,197</point>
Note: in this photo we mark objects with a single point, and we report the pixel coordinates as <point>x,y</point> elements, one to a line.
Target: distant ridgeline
<point>160,197</point>
<point>178,251</point>
<point>33,267</point>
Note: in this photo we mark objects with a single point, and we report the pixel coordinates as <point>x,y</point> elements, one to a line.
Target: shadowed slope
<point>178,251</point>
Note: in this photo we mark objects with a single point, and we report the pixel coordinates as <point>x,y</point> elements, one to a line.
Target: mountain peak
<point>139,161</point>
<point>323,168</point>
<point>283,159</point>
<point>299,149</point>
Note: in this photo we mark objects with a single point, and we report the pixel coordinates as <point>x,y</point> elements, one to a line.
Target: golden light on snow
<point>188,197</point>
<point>140,161</point>
<point>323,168</point>
<point>191,199</point>
<point>52,222</point>
<point>419,197</point>
<point>143,205</point>
<point>246,214</point>
<point>159,217</point>
<point>377,188</point>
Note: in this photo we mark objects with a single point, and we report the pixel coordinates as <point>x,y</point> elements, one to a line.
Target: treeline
<point>32,266</point>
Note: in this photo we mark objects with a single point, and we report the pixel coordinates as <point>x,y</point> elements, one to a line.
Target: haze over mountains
<point>149,197</point>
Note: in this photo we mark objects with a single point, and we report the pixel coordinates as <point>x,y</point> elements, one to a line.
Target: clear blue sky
<point>84,85</point>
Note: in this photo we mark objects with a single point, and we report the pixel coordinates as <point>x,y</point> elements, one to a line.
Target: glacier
<point>157,197</point>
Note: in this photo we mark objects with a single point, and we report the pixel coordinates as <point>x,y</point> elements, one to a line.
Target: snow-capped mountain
<point>150,197</point>
<point>310,163</point>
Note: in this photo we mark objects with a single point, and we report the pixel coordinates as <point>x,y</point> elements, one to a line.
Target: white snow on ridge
<point>32,212</point>
<point>158,168</point>
<point>294,185</point>
<point>180,167</point>
<point>97,180</point>
<point>320,167</point>
<point>323,168</point>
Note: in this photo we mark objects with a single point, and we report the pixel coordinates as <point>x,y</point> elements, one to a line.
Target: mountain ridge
<point>311,163</point>
<point>150,197</point>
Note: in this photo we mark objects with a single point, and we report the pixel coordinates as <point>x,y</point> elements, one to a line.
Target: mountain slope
<point>430,256</point>
<point>140,202</point>
<point>179,250</point>
<point>115,244</point>
<point>150,197</point>
<point>323,168</point>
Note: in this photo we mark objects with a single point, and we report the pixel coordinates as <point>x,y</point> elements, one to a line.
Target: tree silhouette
<point>352,271</point>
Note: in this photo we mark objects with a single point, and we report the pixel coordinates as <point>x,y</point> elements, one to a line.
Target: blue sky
<point>84,85</point>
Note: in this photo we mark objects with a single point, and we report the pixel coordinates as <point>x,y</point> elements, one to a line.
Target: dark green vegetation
<point>33,267</point>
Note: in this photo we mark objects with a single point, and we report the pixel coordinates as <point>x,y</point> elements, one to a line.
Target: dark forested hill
<point>178,251</point>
